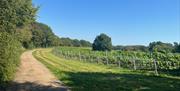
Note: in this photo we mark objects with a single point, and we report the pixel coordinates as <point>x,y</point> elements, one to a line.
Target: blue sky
<point>128,22</point>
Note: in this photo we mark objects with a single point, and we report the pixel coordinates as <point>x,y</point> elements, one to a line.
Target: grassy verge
<point>80,76</point>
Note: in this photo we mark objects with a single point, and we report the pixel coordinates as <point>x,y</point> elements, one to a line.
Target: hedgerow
<point>10,50</point>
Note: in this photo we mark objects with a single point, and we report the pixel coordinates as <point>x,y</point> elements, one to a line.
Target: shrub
<point>102,43</point>
<point>9,57</point>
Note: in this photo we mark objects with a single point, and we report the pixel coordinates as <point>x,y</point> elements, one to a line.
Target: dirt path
<point>34,76</point>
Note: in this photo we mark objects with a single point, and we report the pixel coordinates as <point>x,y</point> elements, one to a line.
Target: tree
<point>176,47</point>
<point>16,13</point>
<point>160,47</point>
<point>54,41</point>
<point>10,50</point>
<point>85,43</point>
<point>24,35</point>
<point>15,18</point>
<point>131,48</point>
<point>102,43</point>
<point>76,43</point>
<point>42,36</point>
<point>66,42</point>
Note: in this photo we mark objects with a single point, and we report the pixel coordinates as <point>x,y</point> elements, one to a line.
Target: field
<point>158,62</point>
<point>85,76</point>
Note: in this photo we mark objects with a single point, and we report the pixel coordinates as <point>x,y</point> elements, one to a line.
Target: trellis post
<point>119,64</point>
<point>134,63</point>
<point>155,67</point>
<point>98,60</point>
<point>80,56</point>
<point>107,63</point>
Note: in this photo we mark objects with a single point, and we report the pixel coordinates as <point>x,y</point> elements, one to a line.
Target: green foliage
<point>16,13</point>
<point>54,40</point>
<point>85,43</point>
<point>132,48</point>
<point>42,36</point>
<point>176,47</point>
<point>66,42</point>
<point>24,35</point>
<point>102,43</point>
<point>75,42</point>
<point>16,17</point>
<point>9,57</point>
<point>160,47</point>
<point>153,47</point>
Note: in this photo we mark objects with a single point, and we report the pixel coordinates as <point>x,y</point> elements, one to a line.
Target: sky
<point>127,22</point>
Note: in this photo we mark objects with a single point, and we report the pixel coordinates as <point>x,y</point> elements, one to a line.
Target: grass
<point>81,76</point>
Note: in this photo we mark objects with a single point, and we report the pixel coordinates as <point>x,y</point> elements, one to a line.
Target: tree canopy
<point>102,43</point>
<point>157,46</point>
<point>15,14</point>
<point>176,47</point>
<point>75,42</point>
<point>131,48</point>
<point>42,36</point>
<point>160,47</point>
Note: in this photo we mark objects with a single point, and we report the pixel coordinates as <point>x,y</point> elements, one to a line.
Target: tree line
<point>152,47</point>
<point>75,42</point>
<point>103,43</point>
<point>41,35</point>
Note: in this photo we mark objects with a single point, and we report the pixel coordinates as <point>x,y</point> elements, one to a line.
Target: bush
<point>102,43</point>
<point>9,57</point>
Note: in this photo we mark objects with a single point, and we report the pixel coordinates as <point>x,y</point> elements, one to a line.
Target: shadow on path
<point>33,87</point>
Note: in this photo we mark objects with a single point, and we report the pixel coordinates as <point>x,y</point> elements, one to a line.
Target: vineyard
<point>125,59</point>
<point>85,76</point>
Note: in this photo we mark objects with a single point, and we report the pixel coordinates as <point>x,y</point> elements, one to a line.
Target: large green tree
<point>102,43</point>
<point>16,17</point>
<point>42,36</point>
<point>16,14</point>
